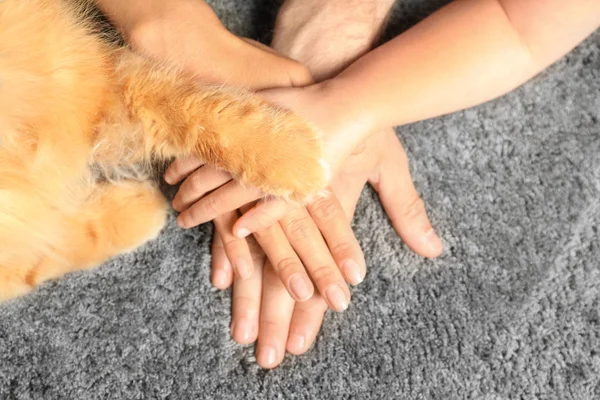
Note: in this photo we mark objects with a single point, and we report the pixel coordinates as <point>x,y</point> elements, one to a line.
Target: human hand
<point>342,133</point>
<point>187,33</point>
<point>241,61</point>
<point>278,322</point>
<point>318,237</point>
<point>263,309</point>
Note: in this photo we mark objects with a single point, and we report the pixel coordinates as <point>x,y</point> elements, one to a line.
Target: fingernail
<point>297,342</point>
<point>336,298</point>
<point>300,287</point>
<point>221,279</point>
<point>433,242</point>
<point>243,269</point>
<point>352,272</point>
<point>242,233</point>
<point>242,330</point>
<point>269,356</point>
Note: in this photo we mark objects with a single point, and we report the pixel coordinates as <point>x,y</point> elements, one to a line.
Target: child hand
<point>199,202</point>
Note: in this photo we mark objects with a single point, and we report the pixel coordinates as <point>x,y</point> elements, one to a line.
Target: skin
<point>242,62</point>
<point>277,322</point>
<point>173,31</point>
<point>467,53</point>
<point>380,161</point>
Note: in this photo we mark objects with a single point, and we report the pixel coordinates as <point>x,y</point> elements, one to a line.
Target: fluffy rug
<point>511,310</point>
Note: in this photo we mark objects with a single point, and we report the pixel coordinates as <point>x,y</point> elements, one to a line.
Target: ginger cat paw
<point>286,160</point>
<point>265,146</point>
<point>128,214</point>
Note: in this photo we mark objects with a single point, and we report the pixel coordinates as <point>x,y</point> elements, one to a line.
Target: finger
<point>180,168</point>
<point>331,220</point>
<point>274,320</point>
<point>227,198</point>
<point>261,217</point>
<point>306,322</point>
<point>246,303</point>
<point>237,250</point>
<point>304,236</point>
<point>402,203</point>
<point>197,185</point>
<point>285,262</point>
<point>222,273</point>
<point>298,75</point>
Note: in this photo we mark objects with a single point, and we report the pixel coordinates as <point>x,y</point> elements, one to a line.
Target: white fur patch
<point>326,169</point>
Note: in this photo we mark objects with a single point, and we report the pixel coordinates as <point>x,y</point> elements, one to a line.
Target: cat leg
<point>259,144</point>
<point>116,219</point>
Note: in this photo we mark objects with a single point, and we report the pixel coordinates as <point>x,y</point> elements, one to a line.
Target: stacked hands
<point>289,263</point>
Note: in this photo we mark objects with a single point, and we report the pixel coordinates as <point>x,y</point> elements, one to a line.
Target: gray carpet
<point>511,310</point>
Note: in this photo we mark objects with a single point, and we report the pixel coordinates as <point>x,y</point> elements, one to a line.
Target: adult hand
<point>262,308</point>
<point>318,238</point>
<point>303,32</point>
<point>326,36</point>
<point>219,194</point>
<point>188,34</point>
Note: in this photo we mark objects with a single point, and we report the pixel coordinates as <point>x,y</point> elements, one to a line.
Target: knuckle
<point>211,205</point>
<point>270,325</point>
<point>196,183</point>
<point>298,228</point>
<point>246,302</point>
<point>232,245</point>
<point>264,222</point>
<point>414,209</point>
<point>340,248</point>
<point>325,209</point>
<point>264,235</point>
<point>323,274</point>
<point>287,265</point>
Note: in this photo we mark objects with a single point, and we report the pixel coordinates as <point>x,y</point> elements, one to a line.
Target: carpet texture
<point>511,310</point>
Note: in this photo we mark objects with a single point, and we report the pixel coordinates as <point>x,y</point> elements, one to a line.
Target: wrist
<point>328,36</point>
<point>345,122</point>
<point>346,107</point>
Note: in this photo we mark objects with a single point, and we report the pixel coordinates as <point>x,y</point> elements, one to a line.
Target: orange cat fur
<point>70,104</point>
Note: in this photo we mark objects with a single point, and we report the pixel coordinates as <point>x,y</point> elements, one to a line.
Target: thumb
<point>402,203</point>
